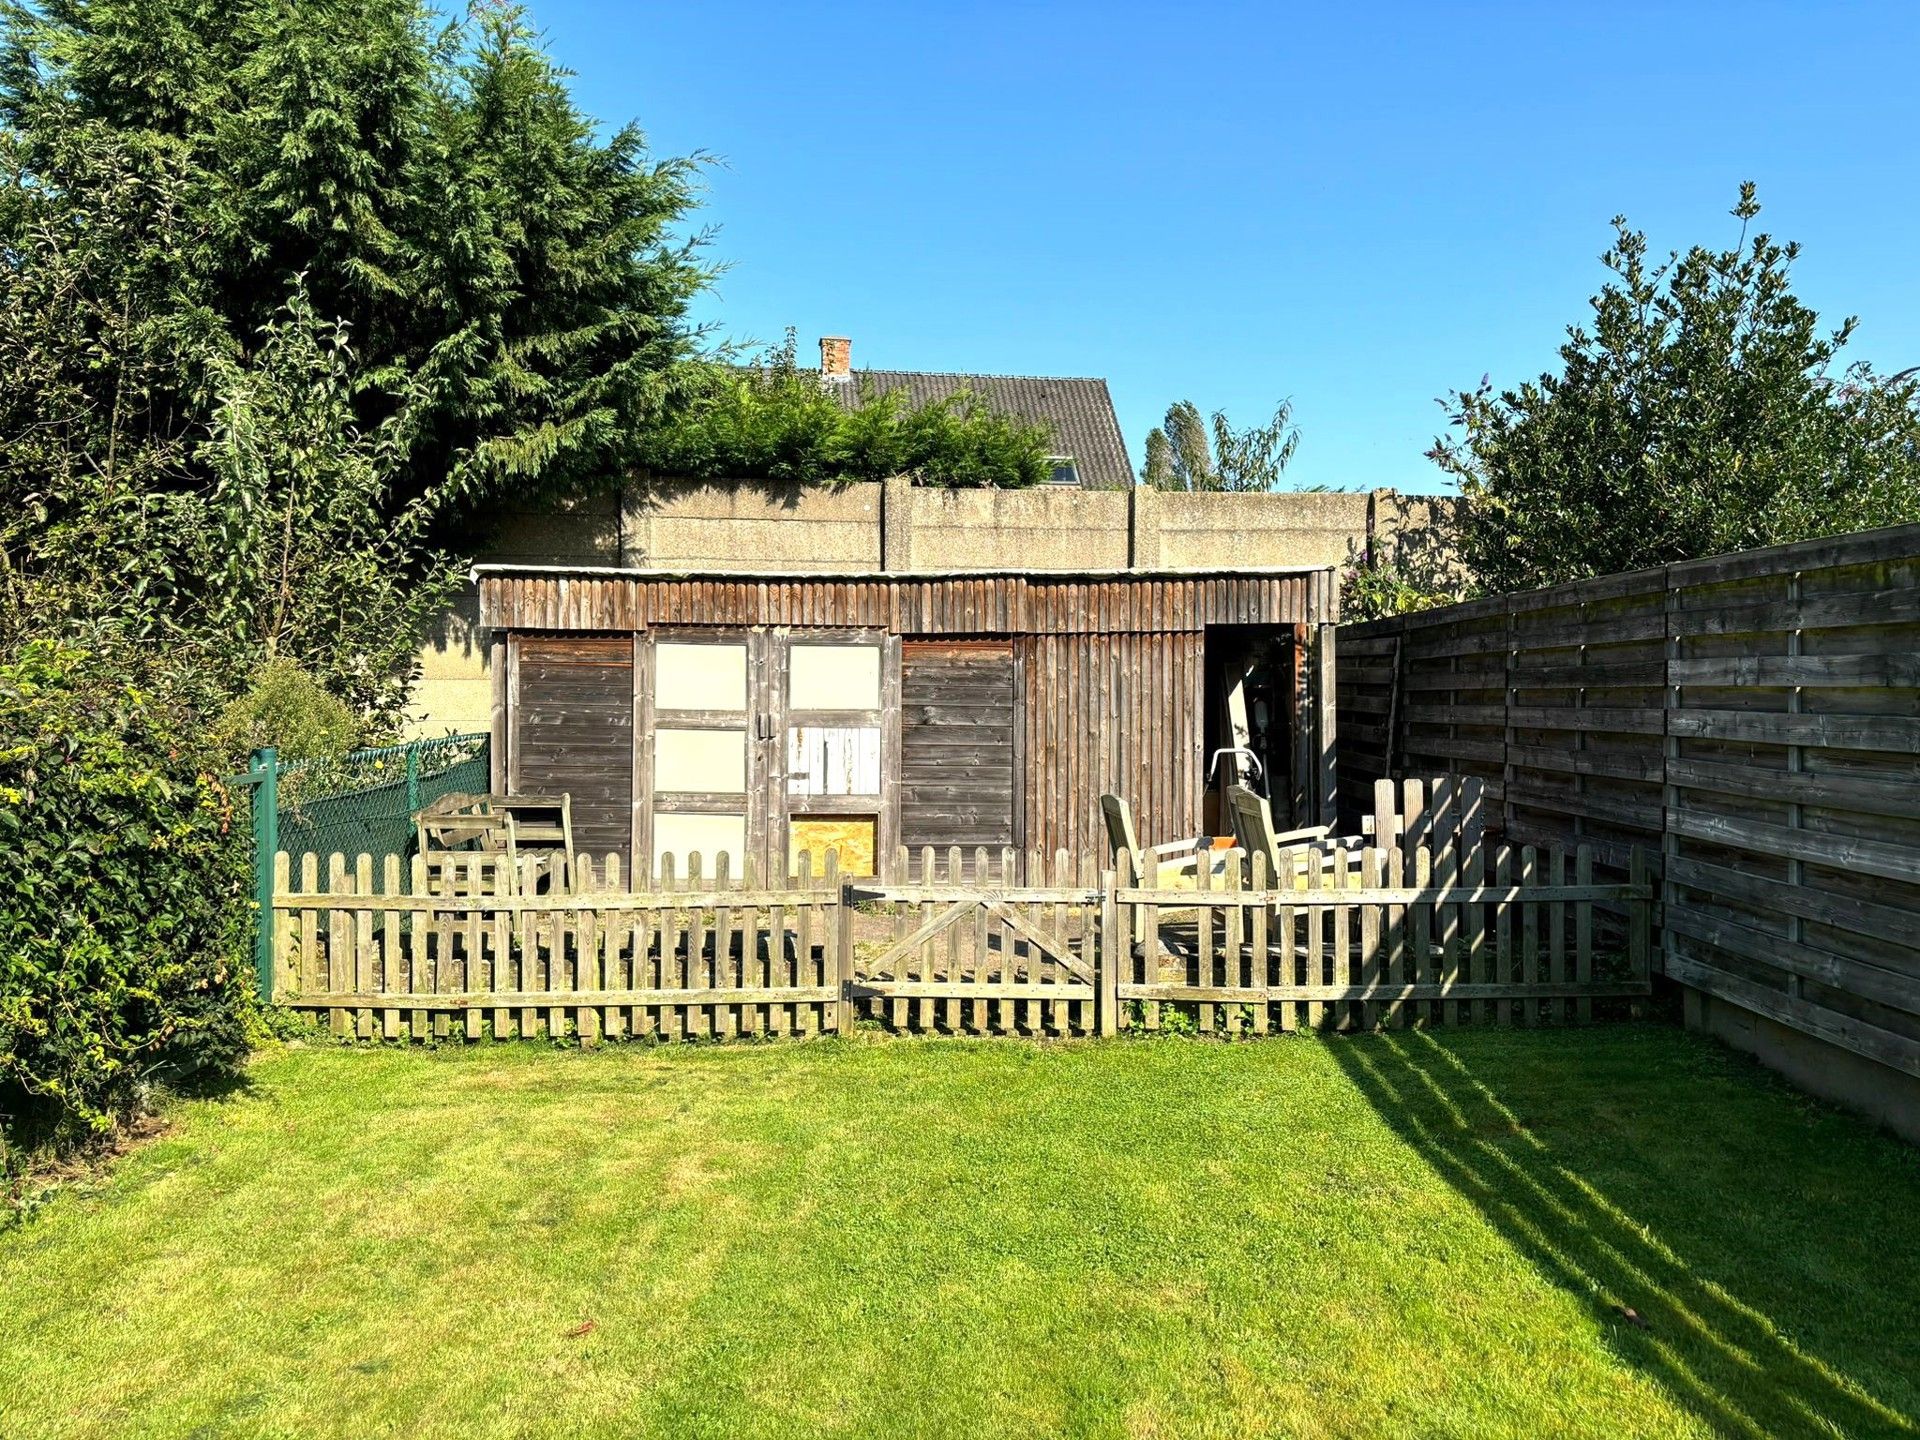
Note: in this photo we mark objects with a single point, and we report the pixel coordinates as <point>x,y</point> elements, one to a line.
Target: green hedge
<point>123,896</point>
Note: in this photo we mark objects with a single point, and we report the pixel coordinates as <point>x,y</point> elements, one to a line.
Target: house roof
<point>1077,411</point>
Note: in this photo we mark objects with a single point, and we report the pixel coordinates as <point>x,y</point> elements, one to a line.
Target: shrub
<point>773,421</point>
<point>125,888</point>
<point>1374,585</point>
<point>287,708</point>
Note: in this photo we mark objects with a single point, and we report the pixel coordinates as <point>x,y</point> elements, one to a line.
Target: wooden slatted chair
<point>530,835</point>
<point>1253,832</point>
<point>1173,866</point>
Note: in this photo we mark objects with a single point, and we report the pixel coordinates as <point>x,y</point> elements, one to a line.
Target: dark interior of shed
<point>1255,704</point>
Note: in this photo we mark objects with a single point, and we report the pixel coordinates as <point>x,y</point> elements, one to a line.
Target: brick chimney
<point>836,357</point>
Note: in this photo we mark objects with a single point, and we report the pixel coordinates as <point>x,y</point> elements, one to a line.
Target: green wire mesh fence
<point>364,803</point>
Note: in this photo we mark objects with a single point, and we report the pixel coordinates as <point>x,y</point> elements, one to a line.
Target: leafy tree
<point>774,420</point>
<point>1701,412</point>
<point>1182,456</point>
<point>1251,460</point>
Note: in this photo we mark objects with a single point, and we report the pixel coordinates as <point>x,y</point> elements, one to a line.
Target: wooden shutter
<point>573,732</point>
<point>957,724</point>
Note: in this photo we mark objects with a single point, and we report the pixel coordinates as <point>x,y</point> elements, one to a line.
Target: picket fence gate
<point>1349,937</point>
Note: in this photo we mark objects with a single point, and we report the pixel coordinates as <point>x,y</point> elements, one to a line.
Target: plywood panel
<point>699,676</point>
<point>833,677</point>
<point>833,760</point>
<point>711,762</point>
<point>851,836</point>
<point>682,836</point>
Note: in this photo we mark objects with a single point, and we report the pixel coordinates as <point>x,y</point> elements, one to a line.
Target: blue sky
<point>1358,206</point>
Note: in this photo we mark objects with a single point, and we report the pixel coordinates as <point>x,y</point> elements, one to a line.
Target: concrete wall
<point>454,694</point>
<point>1881,1094</point>
<point>900,526</point>
<point>755,527</point>
<point>1009,529</point>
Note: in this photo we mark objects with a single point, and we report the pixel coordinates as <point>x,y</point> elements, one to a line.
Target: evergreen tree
<point>196,195</point>
<point>1157,472</point>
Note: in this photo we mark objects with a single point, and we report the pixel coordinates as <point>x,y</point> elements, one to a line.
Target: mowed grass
<point>1414,1234</point>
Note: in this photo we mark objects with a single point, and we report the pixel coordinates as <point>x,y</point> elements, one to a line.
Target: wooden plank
<point>1351,994</point>
<point>841,966</point>
<point>1478,965</point>
<point>1557,967</point>
<point>1887,1047</point>
<point>466,1002</point>
<point>1372,967</point>
<point>1504,970</point>
<point>1873,857</point>
<point>339,950</point>
<point>1530,924</point>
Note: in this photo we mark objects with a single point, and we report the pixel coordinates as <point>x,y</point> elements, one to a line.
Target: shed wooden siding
<point>572,706</point>
<point>1108,667</point>
<point>969,605</point>
<point>1116,714</point>
<point>958,712</point>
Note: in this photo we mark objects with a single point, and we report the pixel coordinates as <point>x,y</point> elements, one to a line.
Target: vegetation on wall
<point>1379,580</point>
<point>1703,410</point>
<point>1187,453</point>
<point>775,420</point>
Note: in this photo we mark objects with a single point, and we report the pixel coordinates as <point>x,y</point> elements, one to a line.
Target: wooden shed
<point>757,715</point>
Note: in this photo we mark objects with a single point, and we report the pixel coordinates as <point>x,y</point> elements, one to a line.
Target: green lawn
<point>1415,1235</point>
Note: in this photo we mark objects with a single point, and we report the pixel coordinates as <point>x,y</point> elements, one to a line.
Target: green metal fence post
<point>264,770</point>
<point>413,780</point>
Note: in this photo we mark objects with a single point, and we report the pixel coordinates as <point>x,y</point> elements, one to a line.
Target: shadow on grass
<point>41,1164</point>
<point>1665,1259</point>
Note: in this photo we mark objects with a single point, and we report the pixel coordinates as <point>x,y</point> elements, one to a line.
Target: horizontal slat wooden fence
<point>1751,721</point>
<point>1465,933</point>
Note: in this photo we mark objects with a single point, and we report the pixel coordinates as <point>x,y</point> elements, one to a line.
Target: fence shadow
<point>1553,1191</point>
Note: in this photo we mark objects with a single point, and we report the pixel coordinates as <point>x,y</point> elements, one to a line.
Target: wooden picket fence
<point>1348,937</point>
<point>433,956</point>
<point>1358,937</point>
<point>966,952</point>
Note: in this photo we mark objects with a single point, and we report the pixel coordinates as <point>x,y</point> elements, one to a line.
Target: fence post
<point>842,967</point>
<point>1106,963</point>
<point>263,769</point>
<point>1640,918</point>
<point>413,780</point>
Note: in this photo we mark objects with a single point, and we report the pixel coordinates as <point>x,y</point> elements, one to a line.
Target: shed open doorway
<point>1254,709</point>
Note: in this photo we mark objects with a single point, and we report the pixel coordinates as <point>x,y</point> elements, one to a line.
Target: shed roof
<point>1001,602</point>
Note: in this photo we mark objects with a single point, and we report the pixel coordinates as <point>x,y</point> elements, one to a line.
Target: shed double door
<point>760,744</point>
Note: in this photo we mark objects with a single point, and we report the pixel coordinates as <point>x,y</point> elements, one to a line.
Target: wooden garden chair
<point>1173,866</point>
<point>525,834</point>
<point>1253,831</point>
